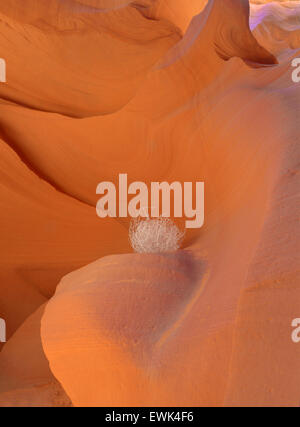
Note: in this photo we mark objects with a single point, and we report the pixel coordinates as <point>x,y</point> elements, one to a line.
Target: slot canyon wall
<point>164,90</point>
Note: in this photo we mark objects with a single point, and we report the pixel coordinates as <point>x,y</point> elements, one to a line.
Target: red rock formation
<point>97,88</point>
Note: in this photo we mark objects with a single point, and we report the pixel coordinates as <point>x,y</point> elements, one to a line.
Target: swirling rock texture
<point>164,90</point>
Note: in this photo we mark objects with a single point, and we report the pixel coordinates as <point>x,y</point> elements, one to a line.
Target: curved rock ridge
<point>42,232</point>
<point>58,78</point>
<point>78,62</point>
<point>106,142</point>
<point>276,26</point>
<point>26,379</point>
<point>163,90</point>
<point>119,310</point>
